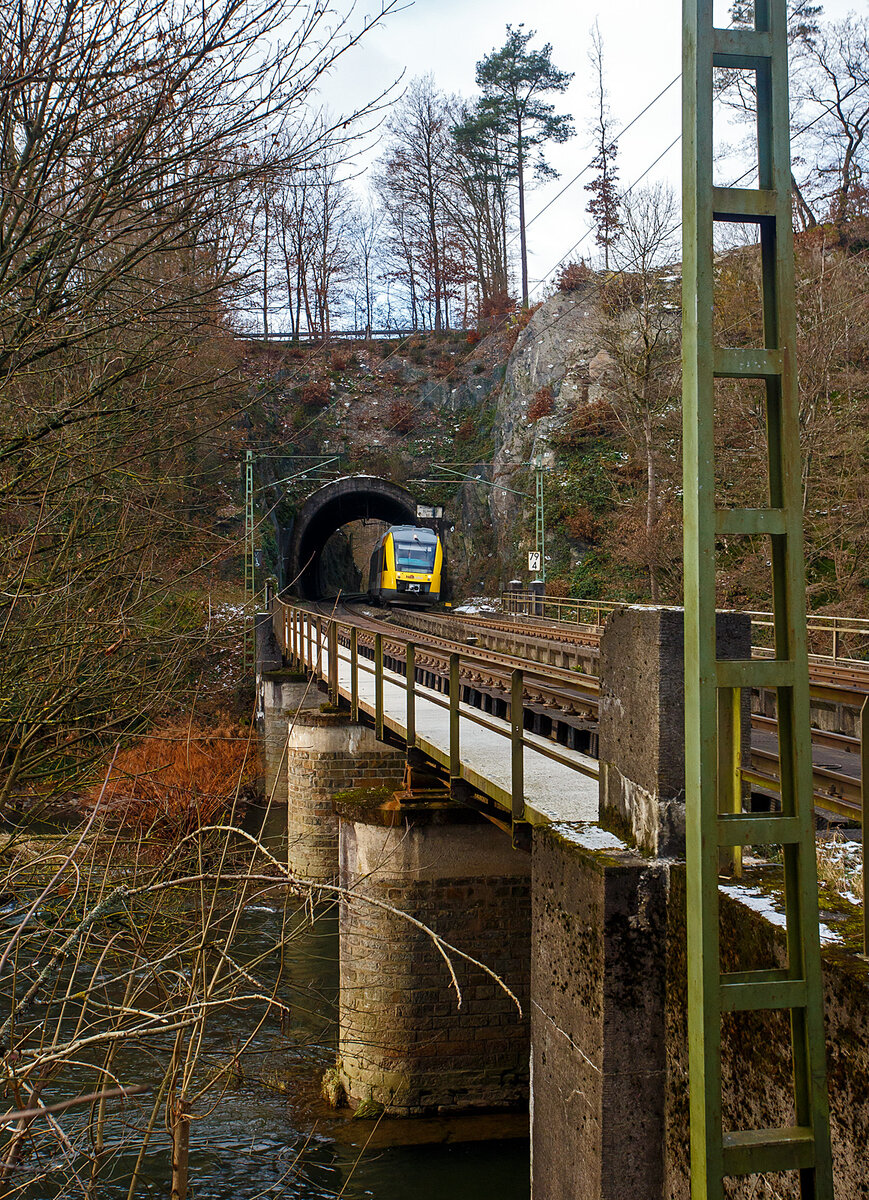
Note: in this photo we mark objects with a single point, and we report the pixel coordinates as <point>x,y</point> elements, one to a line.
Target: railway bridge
<point>516,784</point>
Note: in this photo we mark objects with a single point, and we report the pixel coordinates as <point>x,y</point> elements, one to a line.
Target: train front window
<point>414,555</point>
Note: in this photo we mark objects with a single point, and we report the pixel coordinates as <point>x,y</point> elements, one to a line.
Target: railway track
<point>569,700</point>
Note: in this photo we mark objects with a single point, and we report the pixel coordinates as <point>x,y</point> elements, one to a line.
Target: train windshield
<point>415,551</point>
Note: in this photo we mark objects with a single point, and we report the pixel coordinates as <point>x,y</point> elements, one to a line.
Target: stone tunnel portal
<point>354,498</point>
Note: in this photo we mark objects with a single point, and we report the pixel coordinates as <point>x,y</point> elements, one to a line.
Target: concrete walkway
<point>560,784</point>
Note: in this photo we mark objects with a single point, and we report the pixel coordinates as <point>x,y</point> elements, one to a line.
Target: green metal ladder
<point>249,562</point>
<point>715,820</point>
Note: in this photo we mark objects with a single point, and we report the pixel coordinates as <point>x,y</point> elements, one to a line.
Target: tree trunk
<point>651,504</point>
<point>523,246</point>
<point>180,1148</point>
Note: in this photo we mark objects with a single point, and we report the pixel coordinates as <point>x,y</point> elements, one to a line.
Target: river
<point>271,1135</point>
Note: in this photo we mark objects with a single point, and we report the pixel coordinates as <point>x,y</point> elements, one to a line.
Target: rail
<point>846,637</point>
<point>322,645</point>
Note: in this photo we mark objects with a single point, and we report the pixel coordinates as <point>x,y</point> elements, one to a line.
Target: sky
<point>642,55</point>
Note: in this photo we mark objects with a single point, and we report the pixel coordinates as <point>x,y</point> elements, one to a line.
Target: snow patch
<point>761,903</point>
<point>590,836</point>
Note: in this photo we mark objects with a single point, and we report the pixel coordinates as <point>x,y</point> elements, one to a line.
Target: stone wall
<point>404,1041</point>
<point>610,1041</point>
<point>328,754</point>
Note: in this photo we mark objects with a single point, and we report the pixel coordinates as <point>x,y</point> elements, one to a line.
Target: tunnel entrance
<point>358,500</point>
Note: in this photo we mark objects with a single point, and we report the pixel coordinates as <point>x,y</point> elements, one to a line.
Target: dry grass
<point>840,866</point>
<point>175,780</point>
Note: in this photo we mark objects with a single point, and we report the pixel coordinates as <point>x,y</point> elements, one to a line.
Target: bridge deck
<point>556,789</point>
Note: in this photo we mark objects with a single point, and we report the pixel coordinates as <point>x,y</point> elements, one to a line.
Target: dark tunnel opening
<point>354,499</point>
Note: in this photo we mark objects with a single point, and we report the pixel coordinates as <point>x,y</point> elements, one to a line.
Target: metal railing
<point>308,338</point>
<point>319,644</point>
<point>833,639</point>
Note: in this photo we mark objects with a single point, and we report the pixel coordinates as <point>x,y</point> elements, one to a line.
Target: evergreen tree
<point>513,81</point>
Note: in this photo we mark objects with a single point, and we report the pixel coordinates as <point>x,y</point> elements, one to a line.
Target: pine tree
<point>513,81</point>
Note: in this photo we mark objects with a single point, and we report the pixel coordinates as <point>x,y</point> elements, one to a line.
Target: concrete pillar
<point>599,974</point>
<point>404,1042</point>
<point>597,1018</point>
<point>327,754</point>
<point>642,722</point>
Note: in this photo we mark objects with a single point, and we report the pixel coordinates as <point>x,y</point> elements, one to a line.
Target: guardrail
<point>832,638</point>
<point>343,335</point>
<point>315,643</point>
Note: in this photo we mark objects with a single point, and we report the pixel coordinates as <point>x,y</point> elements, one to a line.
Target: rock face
<point>560,350</point>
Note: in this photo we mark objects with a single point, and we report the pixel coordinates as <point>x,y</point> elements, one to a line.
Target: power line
<point>590,163</point>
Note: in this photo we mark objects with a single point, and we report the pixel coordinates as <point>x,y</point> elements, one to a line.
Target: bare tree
<point>604,205</point>
<point>412,180</point>
<point>640,334</point>
<point>126,184</point>
<point>837,89</point>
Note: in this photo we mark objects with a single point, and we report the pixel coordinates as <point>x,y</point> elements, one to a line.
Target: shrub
<point>315,393</point>
<point>176,779</point>
<point>340,360</point>
<point>542,404</point>
<point>526,314</point>
<point>473,337</point>
<point>573,277</point>
<point>443,367</point>
<point>479,368</point>
<point>497,307</point>
<point>557,587</point>
<point>581,525</point>
<point>402,416</point>
<point>621,292</point>
<point>466,430</point>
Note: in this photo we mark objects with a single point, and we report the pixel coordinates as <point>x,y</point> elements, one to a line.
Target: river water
<point>271,1135</point>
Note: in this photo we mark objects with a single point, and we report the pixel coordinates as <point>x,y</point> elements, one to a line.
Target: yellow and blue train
<point>406,567</point>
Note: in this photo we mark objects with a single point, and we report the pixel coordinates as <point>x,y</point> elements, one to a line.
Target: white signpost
<point>534,557</point>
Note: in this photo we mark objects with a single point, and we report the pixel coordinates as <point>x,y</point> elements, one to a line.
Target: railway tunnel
<point>339,503</point>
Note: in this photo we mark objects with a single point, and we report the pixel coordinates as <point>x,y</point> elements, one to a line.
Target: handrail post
<point>318,666</point>
<point>410,682</point>
<point>333,661</point>
<point>294,641</point>
<point>517,723</point>
<point>455,689</point>
<point>864,796</point>
<point>354,673</point>
<point>378,685</point>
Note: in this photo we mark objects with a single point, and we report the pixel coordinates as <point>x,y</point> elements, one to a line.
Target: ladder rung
<point>743,204</point>
<point>758,829</point>
<point>754,672</point>
<point>740,43</point>
<point>741,994</point>
<point>736,521</point>
<point>747,363</point>
<point>757,1150</point>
